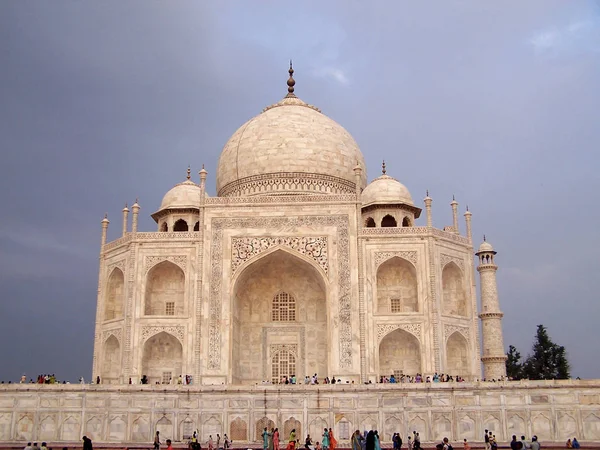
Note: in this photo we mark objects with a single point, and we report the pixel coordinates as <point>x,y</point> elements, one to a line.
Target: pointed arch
<point>111,361</point>
<point>388,221</point>
<point>162,358</point>
<point>261,424</point>
<point>397,288</point>
<point>283,307</point>
<point>164,227</point>
<point>115,295</point>
<point>457,355</point>
<point>165,290</point>
<point>370,222</point>
<point>454,296</point>
<point>406,222</point>
<point>238,430</point>
<point>399,353</point>
<point>180,225</point>
<point>273,275</point>
<point>197,226</point>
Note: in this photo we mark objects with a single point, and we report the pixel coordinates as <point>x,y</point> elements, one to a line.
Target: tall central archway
<point>279,314</point>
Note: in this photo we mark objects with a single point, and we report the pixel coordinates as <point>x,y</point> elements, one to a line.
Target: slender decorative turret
<point>135,208</point>
<point>202,174</point>
<point>357,176</point>
<point>428,201</point>
<point>493,357</point>
<point>104,223</point>
<point>468,223</point>
<point>125,215</point>
<point>454,205</point>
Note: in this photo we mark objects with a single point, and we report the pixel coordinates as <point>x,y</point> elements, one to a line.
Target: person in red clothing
<point>169,446</point>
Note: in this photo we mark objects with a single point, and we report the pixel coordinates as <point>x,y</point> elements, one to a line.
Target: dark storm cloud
<point>103,102</point>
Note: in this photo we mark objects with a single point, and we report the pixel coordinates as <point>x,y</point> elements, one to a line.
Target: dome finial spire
<point>189,172</point>
<point>291,82</point>
<point>383,167</point>
<point>484,238</point>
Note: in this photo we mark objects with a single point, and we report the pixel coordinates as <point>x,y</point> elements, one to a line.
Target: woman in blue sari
<point>356,441</point>
<point>325,440</point>
<point>377,446</point>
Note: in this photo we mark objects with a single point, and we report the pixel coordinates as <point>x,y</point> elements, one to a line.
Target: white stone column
<point>125,215</point>
<point>468,224</point>
<point>454,205</point>
<point>493,357</point>
<point>134,221</point>
<point>428,201</point>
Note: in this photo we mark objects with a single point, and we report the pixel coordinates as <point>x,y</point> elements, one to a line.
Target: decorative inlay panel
<point>269,199</point>
<point>284,182</point>
<point>445,259</point>
<point>384,328</point>
<point>175,330</point>
<point>450,329</point>
<point>114,332</point>
<point>179,260</point>
<point>118,264</point>
<point>381,257</point>
<point>245,248</point>
<point>292,348</point>
<point>341,222</point>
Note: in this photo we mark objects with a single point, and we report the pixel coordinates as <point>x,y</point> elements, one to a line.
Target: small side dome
<point>183,195</point>
<point>486,247</point>
<point>385,190</point>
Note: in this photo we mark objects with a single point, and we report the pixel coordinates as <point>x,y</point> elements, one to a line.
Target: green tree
<point>514,365</point>
<point>548,360</point>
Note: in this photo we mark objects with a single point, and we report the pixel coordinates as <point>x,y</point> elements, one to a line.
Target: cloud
<point>332,73</point>
<point>573,37</point>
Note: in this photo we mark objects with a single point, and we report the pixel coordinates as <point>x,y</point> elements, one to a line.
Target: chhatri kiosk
<point>299,266</point>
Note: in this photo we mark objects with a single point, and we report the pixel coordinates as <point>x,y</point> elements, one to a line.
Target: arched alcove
<point>389,221</point>
<point>397,290</point>
<point>164,227</point>
<point>454,298</point>
<point>370,222</point>
<point>197,226</point>
<point>457,355</point>
<point>162,358</point>
<point>165,288</point>
<point>115,290</point>
<point>406,222</point>
<point>399,352</point>
<point>261,320</point>
<point>111,361</point>
<point>180,225</point>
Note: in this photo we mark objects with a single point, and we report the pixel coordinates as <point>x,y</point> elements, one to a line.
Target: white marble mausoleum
<point>299,266</point>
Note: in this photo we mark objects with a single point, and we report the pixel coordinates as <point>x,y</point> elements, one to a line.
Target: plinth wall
<point>552,410</point>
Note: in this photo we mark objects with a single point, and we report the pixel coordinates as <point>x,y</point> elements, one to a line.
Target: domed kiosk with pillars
<point>298,268</point>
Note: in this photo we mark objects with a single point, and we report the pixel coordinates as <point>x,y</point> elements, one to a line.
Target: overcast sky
<point>103,102</point>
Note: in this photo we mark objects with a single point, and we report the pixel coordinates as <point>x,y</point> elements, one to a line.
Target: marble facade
<point>552,410</point>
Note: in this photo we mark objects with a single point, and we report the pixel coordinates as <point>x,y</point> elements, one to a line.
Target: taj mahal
<point>300,266</point>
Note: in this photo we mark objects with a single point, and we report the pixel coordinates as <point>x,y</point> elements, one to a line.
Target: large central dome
<point>290,148</point>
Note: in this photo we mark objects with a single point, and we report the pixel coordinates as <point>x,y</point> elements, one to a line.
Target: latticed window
<point>395,305</point>
<point>283,364</point>
<point>170,309</point>
<point>167,377</point>
<point>284,308</point>
<point>344,429</point>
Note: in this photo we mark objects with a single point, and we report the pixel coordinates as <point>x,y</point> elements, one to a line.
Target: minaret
<point>202,174</point>
<point>454,205</point>
<point>468,223</point>
<point>135,208</point>
<point>104,223</point>
<point>493,357</point>
<point>125,215</point>
<point>428,201</point>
